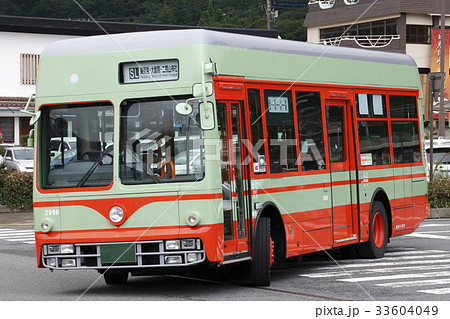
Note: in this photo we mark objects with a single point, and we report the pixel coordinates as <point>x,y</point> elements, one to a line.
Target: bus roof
<point>127,42</point>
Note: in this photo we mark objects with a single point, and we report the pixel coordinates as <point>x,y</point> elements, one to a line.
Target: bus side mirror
<point>207,115</point>
<point>30,140</point>
<point>183,108</point>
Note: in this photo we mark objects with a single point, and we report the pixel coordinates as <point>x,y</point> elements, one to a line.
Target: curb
<point>439,213</point>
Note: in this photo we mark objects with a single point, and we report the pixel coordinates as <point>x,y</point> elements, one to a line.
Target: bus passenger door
<point>339,128</point>
<point>234,180</point>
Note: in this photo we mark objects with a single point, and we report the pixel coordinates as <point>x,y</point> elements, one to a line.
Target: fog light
<point>193,219</point>
<point>68,262</point>
<point>66,249</point>
<point>172,244</point>
<point>53,249</point>
<point>191,258</point>
<point>46,226</point>
<point>173,259</point>
<point>188,243</point>
<point>51,262</point>
<point>116,214</point>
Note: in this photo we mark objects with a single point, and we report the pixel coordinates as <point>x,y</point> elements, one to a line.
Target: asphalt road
<point>416,267</point>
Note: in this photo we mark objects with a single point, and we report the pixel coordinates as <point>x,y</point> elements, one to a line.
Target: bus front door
<point>234,180</point>
<point>339,128</point>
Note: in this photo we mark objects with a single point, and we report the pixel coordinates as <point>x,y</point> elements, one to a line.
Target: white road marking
<point>439,291</point>
<point>426,235</point>
<point>17,232</point>
<point>433,225</point>
<point>401,284</point>
<point>435,232</point>
<point>13,235</point>
<point>412,252</point>
<point>372,271</point>
<point>385,263</point>
<point>16,235</point>
<point>21,239</point>
<point>400,276</point>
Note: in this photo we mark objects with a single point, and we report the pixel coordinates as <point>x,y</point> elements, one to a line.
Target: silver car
<point>20,159</point>
<point>441,157</point>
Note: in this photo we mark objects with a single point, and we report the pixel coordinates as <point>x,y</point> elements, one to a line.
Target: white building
<point>22,39</point>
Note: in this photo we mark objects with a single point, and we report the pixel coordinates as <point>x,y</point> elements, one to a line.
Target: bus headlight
<point>46,226</point>
<point>172,244</point>
<point>116,214</point>
<point>193,219</point>
<point>59,249</point>
<point>66,249</point>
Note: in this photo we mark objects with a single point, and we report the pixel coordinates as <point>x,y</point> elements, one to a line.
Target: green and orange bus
<point>198,147</point>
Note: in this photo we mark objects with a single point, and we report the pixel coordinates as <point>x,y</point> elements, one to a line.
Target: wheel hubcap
<point>378,230</point>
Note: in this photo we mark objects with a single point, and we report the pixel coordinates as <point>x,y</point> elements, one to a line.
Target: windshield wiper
<point>94,166</point>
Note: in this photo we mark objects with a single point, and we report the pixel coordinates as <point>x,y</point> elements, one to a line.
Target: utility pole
<point>441,132</point>
<point>269,14</point>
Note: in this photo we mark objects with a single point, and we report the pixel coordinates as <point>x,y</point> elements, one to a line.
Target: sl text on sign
<point>149,71</point>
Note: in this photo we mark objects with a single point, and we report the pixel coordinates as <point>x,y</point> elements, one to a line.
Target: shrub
<point>439,192</point>
<point>3,174</point>
<point>17,189</point>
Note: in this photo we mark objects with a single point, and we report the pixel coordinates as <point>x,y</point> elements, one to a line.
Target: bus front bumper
<point>138,254</point>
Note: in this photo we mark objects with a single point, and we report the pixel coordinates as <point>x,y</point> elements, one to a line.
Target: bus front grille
<point>143,254</point>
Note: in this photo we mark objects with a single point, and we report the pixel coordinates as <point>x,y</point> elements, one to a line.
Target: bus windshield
<point>86,131</point>
<point>158,145</point>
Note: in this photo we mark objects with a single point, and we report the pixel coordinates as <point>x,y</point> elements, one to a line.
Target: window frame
<point>417,120</point>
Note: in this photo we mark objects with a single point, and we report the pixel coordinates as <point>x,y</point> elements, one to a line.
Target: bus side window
<point>405,129</point>
<point>257,133</point>
<point>280,131</point>
<point>310,131</point>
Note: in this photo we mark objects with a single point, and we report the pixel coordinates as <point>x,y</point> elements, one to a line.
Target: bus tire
<point>375,247</point>
<point>261,254</point>
<point>115,277</point>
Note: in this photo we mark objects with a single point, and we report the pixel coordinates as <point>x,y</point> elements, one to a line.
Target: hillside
<point>218,13</point>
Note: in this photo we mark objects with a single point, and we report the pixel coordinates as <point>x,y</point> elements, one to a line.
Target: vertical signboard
<point>436,55</point>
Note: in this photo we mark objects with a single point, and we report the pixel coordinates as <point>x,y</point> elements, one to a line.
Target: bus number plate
<point>118,254</point>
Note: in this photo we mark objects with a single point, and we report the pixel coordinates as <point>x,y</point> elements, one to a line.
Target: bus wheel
<point>261,254</point>
<point>378,233</point>
<point>116,277</point>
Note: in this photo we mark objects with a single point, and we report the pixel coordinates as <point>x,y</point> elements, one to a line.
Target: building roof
<point>86,27</point>
<point>369,9</point>
<point>164,39</point>
<point>13,102</point>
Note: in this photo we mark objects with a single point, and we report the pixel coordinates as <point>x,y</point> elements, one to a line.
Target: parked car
<point>20,159</point>
<point>56,146</point>
<point>441,157</point>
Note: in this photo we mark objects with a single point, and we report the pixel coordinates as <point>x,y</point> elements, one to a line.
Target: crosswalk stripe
<point>16,235</point>
<point>384,263</point>
<point>439,291</point>
<point>372,271</point>
<point>413,283</point>
<point>15,231</point>
<point>400,276</point>
<point>26,236</point>
<point>432,225</point>
<point>431,236</point>
<point>6,229</point>
<point>434,232</point>
<point>20,239</point>
<point>410,252</point>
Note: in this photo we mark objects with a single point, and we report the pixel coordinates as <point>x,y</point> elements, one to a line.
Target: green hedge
<point>439,192</point>
<point>16,189</point>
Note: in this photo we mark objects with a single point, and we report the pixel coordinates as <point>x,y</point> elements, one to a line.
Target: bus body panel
<point>318,208</point>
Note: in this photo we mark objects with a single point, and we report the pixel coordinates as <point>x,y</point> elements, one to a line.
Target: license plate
<point>118,254</point>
